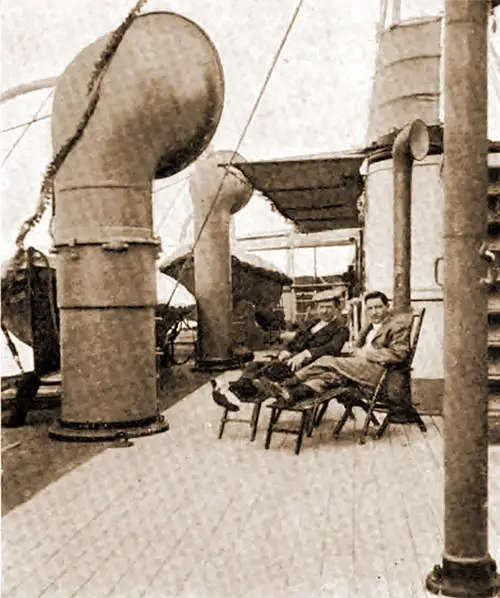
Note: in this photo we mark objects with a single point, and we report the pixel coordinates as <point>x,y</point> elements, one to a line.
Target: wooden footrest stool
<point>253,421</point>
<point>308,408</point>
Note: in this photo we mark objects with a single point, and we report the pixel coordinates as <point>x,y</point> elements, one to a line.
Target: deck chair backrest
<point>355,317</point>
<point>416,326</point>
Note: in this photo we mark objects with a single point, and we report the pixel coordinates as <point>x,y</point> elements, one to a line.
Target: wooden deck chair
<point>373,400</point>
<point>308,409</point>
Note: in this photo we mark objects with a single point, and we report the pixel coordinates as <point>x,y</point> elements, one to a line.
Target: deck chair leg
<point>255,420</point>
<point>303,424</point>
<point>322,410</point>
<point>272,421</point>
<point>341,423</point>
<point>373,419</point>
<point>310,422</point>
<point>368,419</point>
<point>275,415</point>
<point>383,427</point>
<point>223,421</point>
<point>418,420</point>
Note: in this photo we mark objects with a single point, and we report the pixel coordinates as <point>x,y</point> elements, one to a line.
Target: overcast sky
<point>317,99</point>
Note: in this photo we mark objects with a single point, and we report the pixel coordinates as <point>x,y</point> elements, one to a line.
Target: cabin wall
<point>427,247</point>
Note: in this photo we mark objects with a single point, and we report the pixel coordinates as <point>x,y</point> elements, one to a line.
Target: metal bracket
<point>490,256</point>
<point>115,246</point>
<point>73,254</point>
<point>436,271</point>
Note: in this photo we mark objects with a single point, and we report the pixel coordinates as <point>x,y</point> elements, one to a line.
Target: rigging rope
<point>46,196</point>
<point>184,178</point>
<point>240,141</point>
<point>30,122</point>
<point>47,188</point>
<point>26,127</point>
<point>12,347</point>
<point>172,203</point>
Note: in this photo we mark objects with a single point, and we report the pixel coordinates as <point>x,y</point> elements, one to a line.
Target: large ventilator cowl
<point>217,192</point>
<point>214,177</point>
<point>160,101</point>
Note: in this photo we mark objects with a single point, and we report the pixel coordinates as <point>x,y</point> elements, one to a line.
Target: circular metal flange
<point>106,432</point>
<point>477,579</point>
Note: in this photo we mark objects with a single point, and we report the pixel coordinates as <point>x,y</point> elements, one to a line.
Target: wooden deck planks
<point>394,521</point>
<point>184,514</point>
<point>338,558</point>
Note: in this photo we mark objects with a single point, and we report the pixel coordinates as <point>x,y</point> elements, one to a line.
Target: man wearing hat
<point>384,341</point>
<point>324,335</point>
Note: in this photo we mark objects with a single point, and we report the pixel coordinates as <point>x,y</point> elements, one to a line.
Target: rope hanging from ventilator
<point>46,197</point>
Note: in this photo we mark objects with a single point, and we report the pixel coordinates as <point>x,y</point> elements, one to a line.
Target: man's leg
<point>321,369</point>
<point>317,382</point>
<point>324,381</point>
<point>244,388</point>
<point>316,368</point>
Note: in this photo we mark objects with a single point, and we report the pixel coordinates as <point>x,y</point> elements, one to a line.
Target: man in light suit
<point>384,341</point>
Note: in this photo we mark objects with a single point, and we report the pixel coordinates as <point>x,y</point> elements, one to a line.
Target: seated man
<point>325,335</point>
<point>384,341</point>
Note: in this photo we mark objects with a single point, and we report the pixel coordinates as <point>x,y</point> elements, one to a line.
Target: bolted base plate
<point>106,432</point>
<point>471,579</point>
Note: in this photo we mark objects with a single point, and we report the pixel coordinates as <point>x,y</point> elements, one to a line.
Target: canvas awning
<point>316,193</point>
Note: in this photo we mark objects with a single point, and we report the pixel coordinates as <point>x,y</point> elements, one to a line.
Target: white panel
<point>379,227</point>
<point>427,227</point>
<point>427,223</point>
<point>427,245</point>
<point>428,362</point>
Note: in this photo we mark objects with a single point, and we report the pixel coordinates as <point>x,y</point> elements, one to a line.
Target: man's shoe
<point>245,389</point>
<point>272,389</point>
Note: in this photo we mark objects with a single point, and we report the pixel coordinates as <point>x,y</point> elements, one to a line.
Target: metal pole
<point>467,569</point>
<point>396,12</point>
<point>212,271</point>
<point>411,143</point>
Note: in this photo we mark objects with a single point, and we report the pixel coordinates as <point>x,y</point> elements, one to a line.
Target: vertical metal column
<point>150,120</point>
<point>216,194</point>
<point>411,143</point>
<point>467,568</point>
<point>214,295</point>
